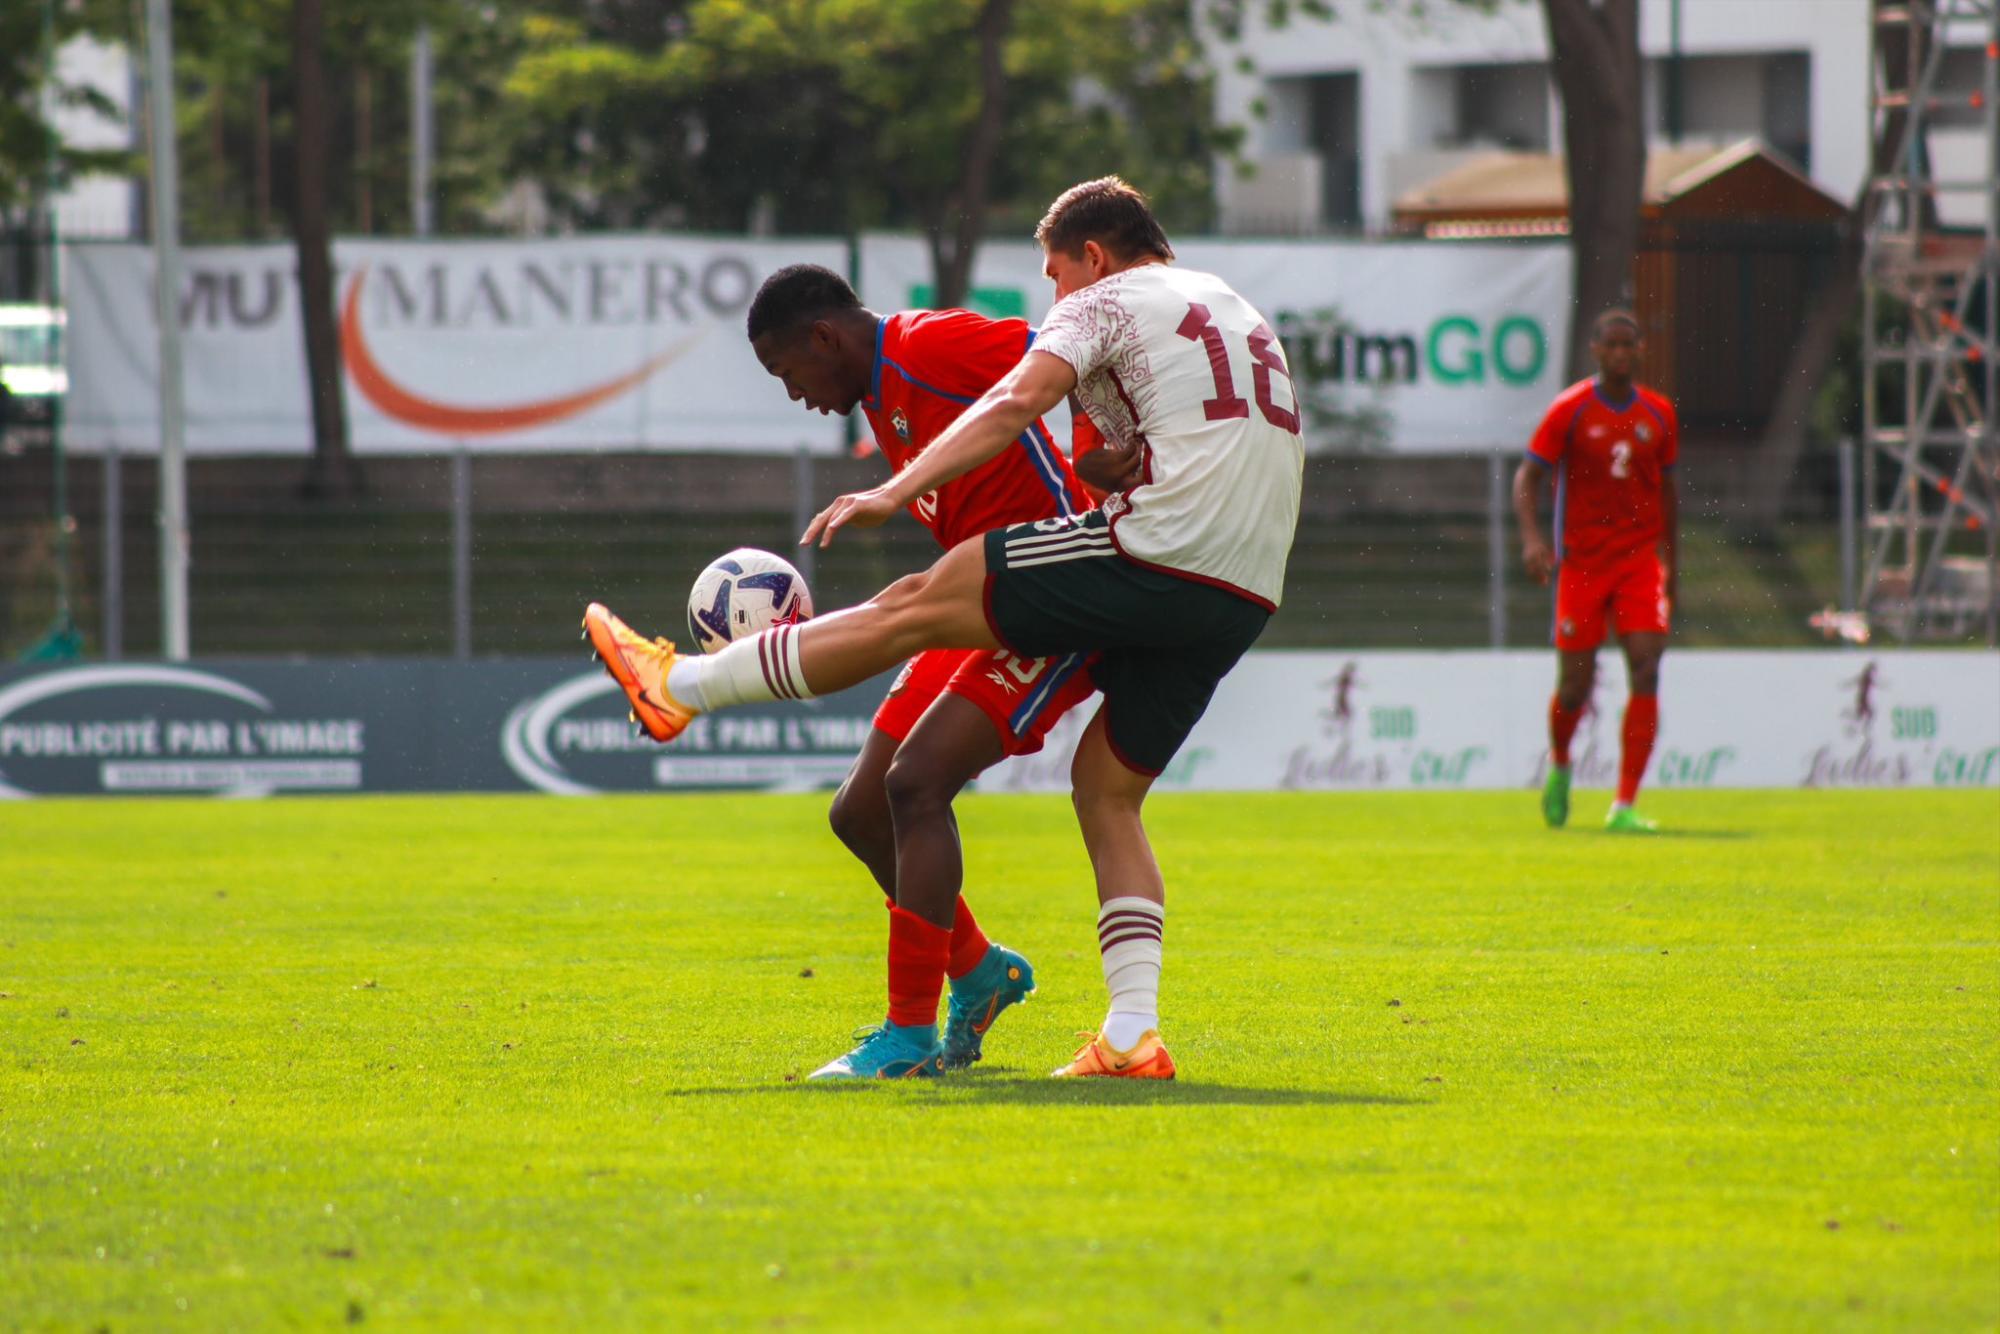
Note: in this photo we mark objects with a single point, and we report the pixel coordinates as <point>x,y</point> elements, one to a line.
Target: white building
<point>1345,115</point>
<point>99,205</point>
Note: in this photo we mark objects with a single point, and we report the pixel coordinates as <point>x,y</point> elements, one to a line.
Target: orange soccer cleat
<point>639,665</point>
<point>1148,1059</point>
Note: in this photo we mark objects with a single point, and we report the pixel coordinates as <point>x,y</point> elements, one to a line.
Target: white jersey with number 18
<point>1177,361</point>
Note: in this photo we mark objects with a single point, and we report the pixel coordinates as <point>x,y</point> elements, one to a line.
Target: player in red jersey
<point>951,713</point>
<point>1610,445</point>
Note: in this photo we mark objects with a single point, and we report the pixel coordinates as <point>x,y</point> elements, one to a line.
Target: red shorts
<point>1633,589</point>
<point>1022,696</point>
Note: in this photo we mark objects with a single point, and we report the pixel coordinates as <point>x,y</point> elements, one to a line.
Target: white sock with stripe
<point>763,667</point>
<point>1129,932</point>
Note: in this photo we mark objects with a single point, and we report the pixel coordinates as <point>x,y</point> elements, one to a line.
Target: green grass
<point>520,1062</point>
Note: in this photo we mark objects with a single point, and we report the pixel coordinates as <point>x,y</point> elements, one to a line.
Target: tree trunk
<point>332,470</point>
<point>1596,60</point>
<point>1784,443</point>
<point>955,236</point>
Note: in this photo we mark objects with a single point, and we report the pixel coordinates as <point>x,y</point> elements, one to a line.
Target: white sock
<point>1128,935</point>
<point>751,671</point>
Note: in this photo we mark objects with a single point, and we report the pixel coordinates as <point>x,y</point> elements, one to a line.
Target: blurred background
<point>1429,197</point>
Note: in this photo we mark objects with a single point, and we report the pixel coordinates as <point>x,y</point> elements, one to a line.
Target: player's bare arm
<point>1530,480</point>
<point>1670,541</point>
<point>996,421</point>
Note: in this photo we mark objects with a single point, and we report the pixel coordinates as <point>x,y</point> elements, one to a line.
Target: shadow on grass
<point>1004,1085</point>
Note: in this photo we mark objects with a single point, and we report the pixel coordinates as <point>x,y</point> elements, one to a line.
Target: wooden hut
<point>1733,242</point>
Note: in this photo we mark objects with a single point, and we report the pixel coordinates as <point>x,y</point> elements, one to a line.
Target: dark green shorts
<point>1059,586</point>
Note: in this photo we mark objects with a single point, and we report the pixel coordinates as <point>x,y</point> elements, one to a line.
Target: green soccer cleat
<point>1001,979</point>
<point>889,1051</point>
<point>1555,797</point>
<point>1625,820</point>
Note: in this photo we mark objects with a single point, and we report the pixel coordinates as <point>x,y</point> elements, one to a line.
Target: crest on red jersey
<point>1645,433</point>
<point>902,425</point>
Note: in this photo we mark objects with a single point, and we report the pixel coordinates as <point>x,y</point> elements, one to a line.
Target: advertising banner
<point>1395,346</point>
<point>1281,721</point>
<point>611,342</point>
<point>1424,721</point>
<point>636,342</point>
<point>254,729</point>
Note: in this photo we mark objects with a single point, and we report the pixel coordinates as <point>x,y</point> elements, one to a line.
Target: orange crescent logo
<point>451,419</point>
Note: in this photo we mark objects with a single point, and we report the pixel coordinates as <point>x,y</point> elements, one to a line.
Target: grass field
<point>523,1062</point>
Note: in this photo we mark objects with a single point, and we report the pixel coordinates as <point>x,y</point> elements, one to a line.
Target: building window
<point>1499,106</point>
<point>1725,98</point>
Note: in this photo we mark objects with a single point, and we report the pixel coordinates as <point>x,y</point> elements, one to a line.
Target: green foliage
<point>31,158</point>
<point>235,112</point>
<point>827,117</point>
<point>519,1062</point>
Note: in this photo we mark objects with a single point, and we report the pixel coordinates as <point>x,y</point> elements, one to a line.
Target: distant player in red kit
<point>1610,445</point>
<point>951,713</point>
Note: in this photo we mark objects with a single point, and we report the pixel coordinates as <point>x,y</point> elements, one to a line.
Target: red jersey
<point>1610,460</point>
<point>929,367</point>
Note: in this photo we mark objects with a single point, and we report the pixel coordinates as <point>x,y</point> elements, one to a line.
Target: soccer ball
<point>743,592</point>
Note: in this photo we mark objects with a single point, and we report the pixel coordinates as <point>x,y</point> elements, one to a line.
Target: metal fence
<point>495,555</point>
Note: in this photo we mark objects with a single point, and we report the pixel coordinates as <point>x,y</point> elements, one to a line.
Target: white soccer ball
<point>743,592</point>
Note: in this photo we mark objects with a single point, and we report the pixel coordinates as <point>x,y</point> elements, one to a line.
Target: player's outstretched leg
<point>1131,915</point>
<point>943,607</point>
<point>639,666</point>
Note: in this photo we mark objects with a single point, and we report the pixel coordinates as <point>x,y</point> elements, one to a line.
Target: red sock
<point>1642,724</point>
<point>917,954</point>
<point>968,943</point>
<point>1562,726</point>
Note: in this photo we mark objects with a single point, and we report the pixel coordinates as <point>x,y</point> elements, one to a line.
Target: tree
<point>239,108</point>
<point>32,155</point>
<point>948,115</point>
<point>281,106</point>
<point>34,162</point>
<point>1594,48</point>
<point>333,468</point>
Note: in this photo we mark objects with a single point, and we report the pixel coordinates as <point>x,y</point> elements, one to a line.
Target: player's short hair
<point>1616,315</point>
<point>1107,211</point>
<point>795,296</point>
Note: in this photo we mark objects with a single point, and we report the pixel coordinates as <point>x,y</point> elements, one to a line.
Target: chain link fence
<point>497,555</point>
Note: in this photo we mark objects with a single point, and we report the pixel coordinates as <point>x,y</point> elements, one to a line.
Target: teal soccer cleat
<point>889,1051</point>
<point>1001,979</point>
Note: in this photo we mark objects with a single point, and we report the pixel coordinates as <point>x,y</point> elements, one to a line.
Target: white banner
<point>1422,721</point>
<point>1399,346</point>
<point>630,342</point>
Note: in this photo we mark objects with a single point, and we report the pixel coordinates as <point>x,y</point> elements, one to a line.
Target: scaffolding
<point>1931,321</point>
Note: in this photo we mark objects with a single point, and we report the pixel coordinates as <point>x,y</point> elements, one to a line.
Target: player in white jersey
<point>1170,583</point>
